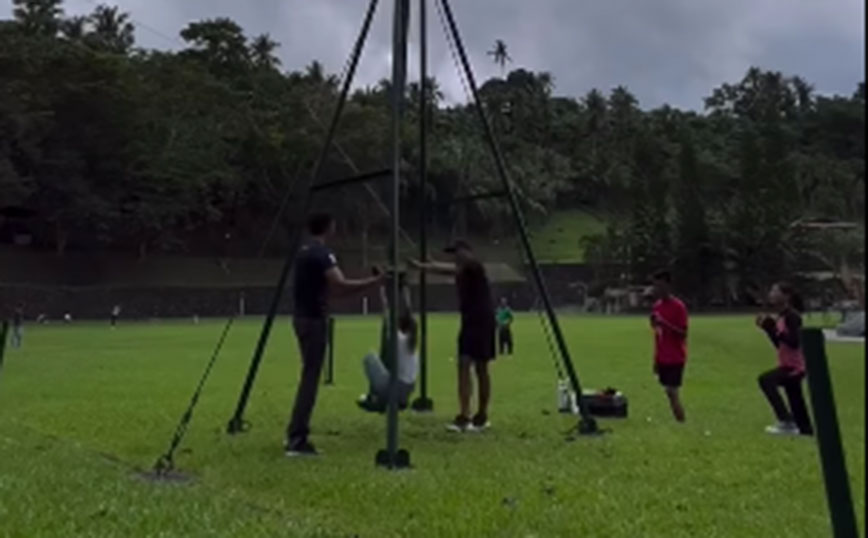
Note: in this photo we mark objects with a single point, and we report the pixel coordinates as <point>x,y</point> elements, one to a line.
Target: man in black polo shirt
<point>476,345</point>
<point>317,277</point>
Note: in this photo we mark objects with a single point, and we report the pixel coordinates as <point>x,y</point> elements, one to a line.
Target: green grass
<point>82,406</point>
<point>558,240</point>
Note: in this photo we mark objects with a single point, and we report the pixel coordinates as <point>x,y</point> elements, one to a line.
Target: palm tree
<point>73,28</point>
<point>38,16</point>
<point>500,55</point>
<point>262,52</point>
<point>112,29</point>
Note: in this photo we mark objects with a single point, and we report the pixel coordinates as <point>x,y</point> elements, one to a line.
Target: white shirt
<point>408,361</point>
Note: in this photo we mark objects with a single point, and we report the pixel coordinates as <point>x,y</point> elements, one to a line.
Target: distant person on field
<point>377,374</point>
<point>17,325</point>
<point>669,321</point>
<point>504,327</point>
<point>116,313</point>
<point>476,346</point>
<point>784,331</point>
<point>317,276</point>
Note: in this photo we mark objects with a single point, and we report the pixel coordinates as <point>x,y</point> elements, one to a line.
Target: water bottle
<point>564,404</point>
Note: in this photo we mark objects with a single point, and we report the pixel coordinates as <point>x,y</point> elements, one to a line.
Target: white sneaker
<point>783,428</point>
<point>459,425</point>
<point>476,428</point>
<point>478,424</point>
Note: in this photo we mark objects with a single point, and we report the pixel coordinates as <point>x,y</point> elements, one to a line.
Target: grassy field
<point>82,407</point>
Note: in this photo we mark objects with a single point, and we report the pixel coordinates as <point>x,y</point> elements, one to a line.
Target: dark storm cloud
<point>673,51</point>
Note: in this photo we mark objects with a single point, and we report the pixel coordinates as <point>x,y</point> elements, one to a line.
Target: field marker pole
<point>330,367</point>
<point>829,436</point>
<point>4,330</point>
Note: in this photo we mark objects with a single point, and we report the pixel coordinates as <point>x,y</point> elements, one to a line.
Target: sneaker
<point>479,423</point>
<point>783,428</point>
<point>460,424</point>
<point>301,448</point>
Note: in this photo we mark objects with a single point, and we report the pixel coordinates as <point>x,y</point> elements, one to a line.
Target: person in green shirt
<point>504,327</point>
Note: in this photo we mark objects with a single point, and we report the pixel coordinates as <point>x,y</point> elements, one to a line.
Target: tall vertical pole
<point>829,436</point>
<point>587,424</point>
<point>237,423</point>
<point>390,457</point>
<point>423,402</point>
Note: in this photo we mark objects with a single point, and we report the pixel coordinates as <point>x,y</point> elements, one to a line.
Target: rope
<point>352,164</point>
<point>166,462</point>
<point>280,210</point>
<point>542,320</point>
<point>453,51</point>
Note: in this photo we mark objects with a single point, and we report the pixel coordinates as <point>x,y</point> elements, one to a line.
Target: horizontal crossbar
<point>369,176</point>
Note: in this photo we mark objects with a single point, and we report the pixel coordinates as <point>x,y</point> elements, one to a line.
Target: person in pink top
<point>669,322</point>
<point>784,331</point>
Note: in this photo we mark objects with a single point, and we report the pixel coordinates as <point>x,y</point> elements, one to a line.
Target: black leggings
<point>792,384</point>
<point>504,337</point>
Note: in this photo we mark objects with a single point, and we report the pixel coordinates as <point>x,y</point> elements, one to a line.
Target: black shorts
<point>476,342</point>
<point>670,375</point>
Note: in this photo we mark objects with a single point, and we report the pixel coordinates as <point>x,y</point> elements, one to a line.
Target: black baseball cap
<point>458,244</point>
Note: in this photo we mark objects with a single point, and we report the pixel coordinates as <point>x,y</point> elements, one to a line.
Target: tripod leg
<point>587,423</point>
<point>236,423</point>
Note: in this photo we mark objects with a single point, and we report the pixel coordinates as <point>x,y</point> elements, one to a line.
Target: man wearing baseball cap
<point>476,339</point>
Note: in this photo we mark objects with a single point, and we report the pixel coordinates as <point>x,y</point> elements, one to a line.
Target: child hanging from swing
<point>374,365</point>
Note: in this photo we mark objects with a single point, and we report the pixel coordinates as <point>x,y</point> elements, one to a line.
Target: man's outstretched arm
<point>339,285</point>
<point>435,267</point>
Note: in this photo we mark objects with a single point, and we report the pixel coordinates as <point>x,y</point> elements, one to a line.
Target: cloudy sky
<point>664,51</point>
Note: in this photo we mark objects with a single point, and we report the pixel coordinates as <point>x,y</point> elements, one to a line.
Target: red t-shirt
<point>670,346</point>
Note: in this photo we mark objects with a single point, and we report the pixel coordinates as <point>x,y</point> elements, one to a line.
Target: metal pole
<point>829,436</point>
<point>236,423</point>
<point>423,402</point>
<point>390,458</point>
<point>587,424</point>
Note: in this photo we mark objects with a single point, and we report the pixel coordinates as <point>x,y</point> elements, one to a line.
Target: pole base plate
<point>401,460</point>
<point>422,405</point>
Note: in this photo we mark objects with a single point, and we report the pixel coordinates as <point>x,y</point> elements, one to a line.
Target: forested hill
<point>110,146</point>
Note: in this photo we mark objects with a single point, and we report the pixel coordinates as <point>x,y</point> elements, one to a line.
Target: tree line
<point>118,147</point>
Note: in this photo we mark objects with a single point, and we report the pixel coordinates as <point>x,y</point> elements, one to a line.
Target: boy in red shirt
<point>669,321</point>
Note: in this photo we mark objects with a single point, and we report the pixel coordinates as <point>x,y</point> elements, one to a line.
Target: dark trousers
<point>312,339</point>
<point>504,338</point>
<point>770,381</point>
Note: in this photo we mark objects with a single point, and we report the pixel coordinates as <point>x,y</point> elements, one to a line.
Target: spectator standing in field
<point>116,313</point>
<point>504,328</point>
<point>17,325</point>
<point>669,321</point>
<point>784,331</point>
<point>476,346</point>
<point>317,277</point>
